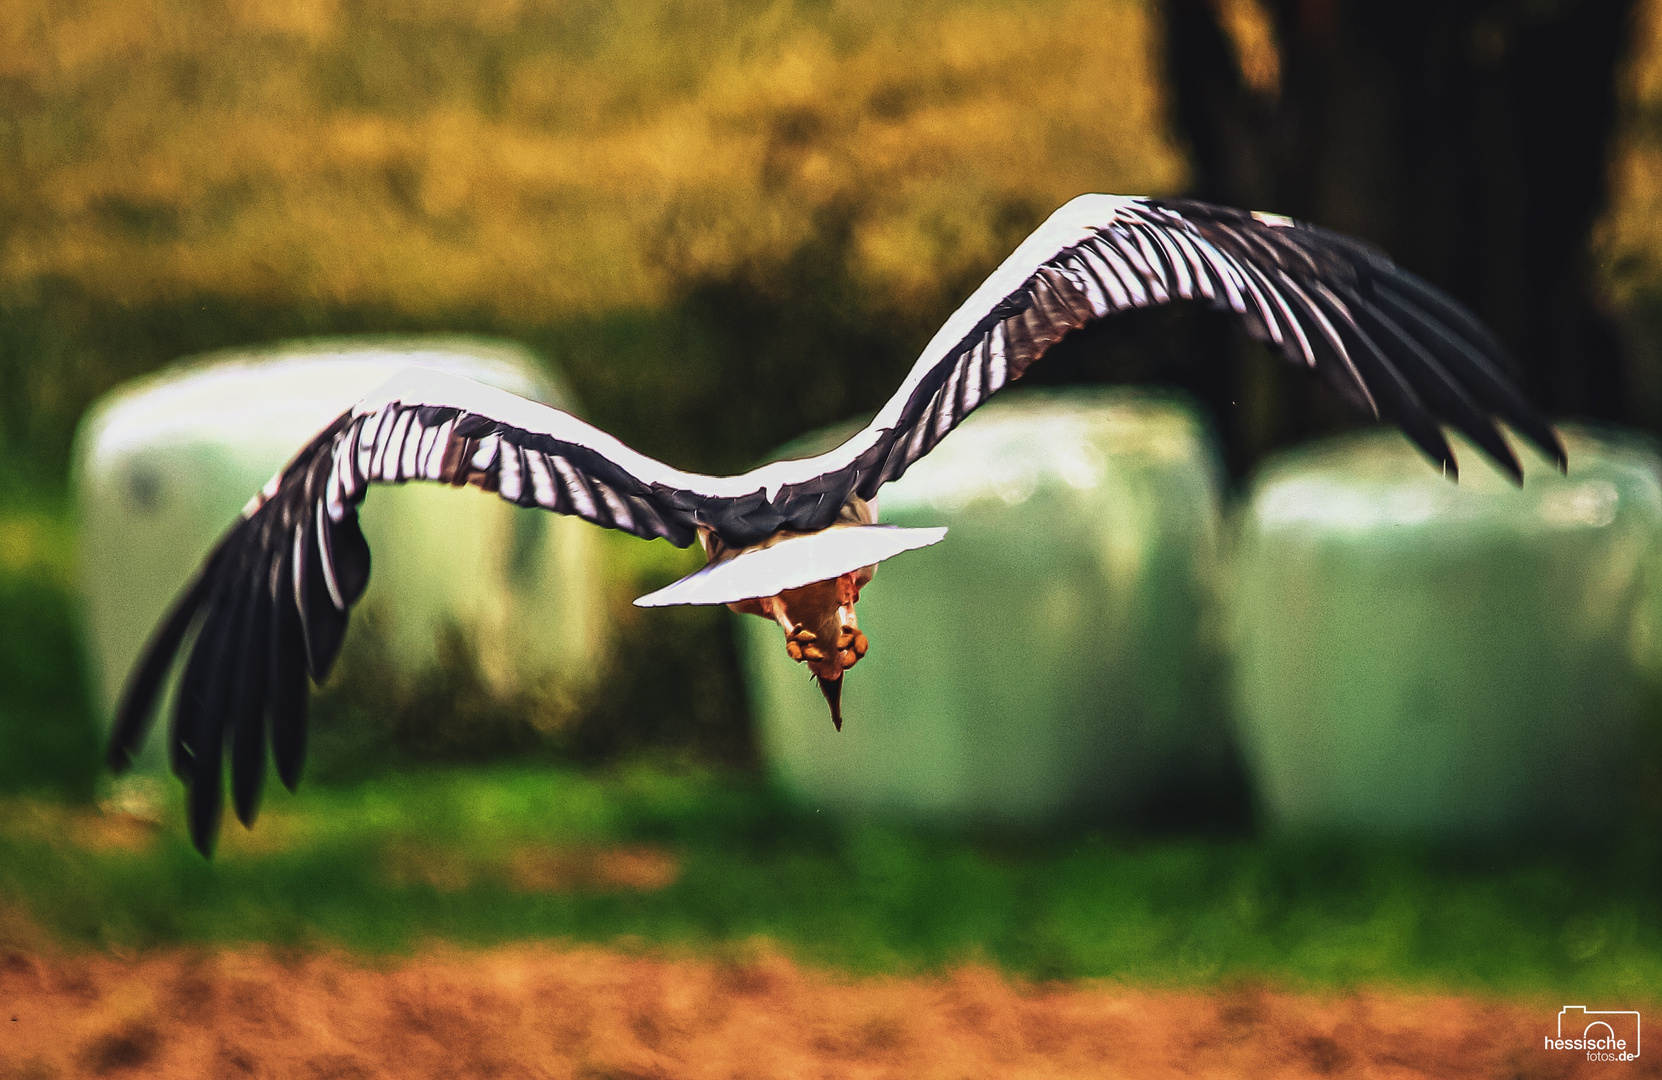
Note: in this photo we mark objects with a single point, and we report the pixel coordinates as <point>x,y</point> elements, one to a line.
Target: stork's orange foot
<point>803,644</point>
<point>851,646</point>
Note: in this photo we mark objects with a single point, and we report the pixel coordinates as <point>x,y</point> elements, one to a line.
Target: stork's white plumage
<point>793,541</point>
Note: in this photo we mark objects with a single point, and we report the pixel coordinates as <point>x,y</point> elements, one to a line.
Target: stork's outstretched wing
<point>270,604</point>
<point>1388,341</point>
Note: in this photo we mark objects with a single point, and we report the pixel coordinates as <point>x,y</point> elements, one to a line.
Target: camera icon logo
<point>1606,1035</point>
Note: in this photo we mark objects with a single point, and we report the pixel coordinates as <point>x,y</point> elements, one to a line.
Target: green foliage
<point>62,346</point>
<point>48,739</point>
<point>48,736</point>
<point>863,896</point>
<point>735,365</point>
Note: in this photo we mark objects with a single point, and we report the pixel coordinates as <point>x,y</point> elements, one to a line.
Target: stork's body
<point>818,618</point>
<point>792,541</point>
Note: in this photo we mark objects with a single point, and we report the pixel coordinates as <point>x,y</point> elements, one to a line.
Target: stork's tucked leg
<point>851,643</point>
<point>801,643</point>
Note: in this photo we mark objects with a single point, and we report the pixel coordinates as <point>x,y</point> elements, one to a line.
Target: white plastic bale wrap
<point>1056,653</point>
<point>1424,659</point>
<point>164,465</point>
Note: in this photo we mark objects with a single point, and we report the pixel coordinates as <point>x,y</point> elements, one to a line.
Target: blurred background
<point>718,227</point>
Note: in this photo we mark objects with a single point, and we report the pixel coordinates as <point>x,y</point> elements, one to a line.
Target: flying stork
<point>793,541</point>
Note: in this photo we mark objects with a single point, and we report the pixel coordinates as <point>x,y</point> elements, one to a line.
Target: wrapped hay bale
<point>1420,658</point>
<point>164,465</point>
<point>1053,655</point>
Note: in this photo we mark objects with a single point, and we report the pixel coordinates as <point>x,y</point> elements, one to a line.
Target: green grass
<point>864,897</point>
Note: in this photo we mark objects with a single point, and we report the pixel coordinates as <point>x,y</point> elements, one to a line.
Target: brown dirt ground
<point>534,1011</point>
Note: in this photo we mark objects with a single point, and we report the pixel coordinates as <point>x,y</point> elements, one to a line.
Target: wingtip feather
<point>136,708</point>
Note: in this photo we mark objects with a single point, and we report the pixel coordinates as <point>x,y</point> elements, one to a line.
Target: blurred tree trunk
<point>1468,139</point>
